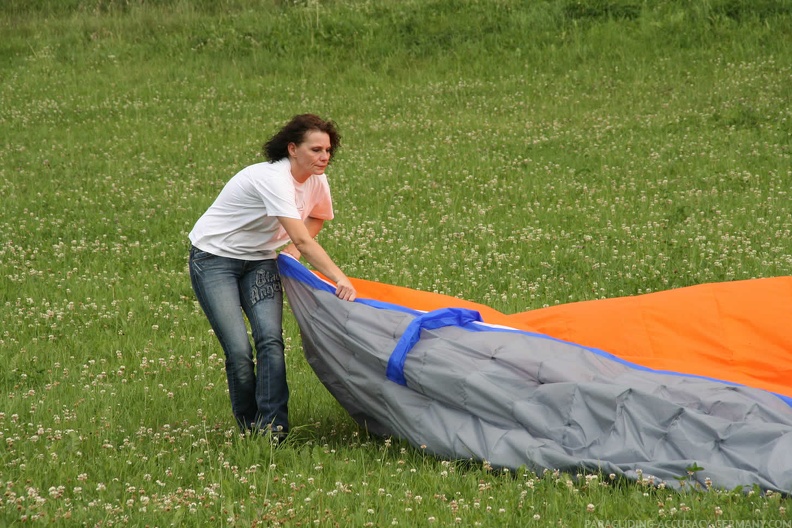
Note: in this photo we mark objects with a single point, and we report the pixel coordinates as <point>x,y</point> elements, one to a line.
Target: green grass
<point>517,154</point>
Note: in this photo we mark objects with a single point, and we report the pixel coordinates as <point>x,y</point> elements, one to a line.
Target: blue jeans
<point>226,288</point>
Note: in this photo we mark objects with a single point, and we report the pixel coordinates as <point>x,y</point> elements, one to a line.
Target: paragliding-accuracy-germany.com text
<point>687,523</point>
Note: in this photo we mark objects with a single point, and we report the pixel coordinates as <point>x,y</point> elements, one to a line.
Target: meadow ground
<point>517,154</point>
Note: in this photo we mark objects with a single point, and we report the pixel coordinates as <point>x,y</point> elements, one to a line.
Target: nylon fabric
<point>520,396</point>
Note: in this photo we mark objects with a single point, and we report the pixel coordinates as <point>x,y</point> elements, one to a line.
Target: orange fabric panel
<point>733,331</point>
<point>424,301</point>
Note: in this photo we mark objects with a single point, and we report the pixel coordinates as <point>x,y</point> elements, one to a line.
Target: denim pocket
<point>199,254</point>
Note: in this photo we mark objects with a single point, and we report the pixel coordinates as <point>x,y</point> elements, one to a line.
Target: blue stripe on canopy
<point>436,319</point>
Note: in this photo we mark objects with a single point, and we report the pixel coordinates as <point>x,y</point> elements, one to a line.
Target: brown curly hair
<point>295,130</point>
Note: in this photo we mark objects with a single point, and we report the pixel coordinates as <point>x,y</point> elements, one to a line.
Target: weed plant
<point>518,154</point>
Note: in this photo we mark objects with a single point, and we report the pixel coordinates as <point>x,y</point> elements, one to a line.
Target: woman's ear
<point>292,148</point>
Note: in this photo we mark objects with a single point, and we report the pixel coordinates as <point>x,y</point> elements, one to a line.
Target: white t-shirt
<point>242,223</point>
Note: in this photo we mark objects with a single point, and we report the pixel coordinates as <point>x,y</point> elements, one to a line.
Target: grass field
<point>518,154</point>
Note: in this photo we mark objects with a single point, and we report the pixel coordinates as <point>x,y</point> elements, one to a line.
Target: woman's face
<point>311,156</point>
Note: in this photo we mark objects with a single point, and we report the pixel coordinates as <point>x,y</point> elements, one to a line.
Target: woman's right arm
<point>317,256</point>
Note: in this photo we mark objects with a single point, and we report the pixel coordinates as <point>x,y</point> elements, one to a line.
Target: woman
<point>233,268</point>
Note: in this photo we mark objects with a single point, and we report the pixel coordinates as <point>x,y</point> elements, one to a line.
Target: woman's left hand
<point>292,250</point>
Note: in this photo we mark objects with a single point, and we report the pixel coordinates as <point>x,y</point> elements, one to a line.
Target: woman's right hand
<point>345,290</point>
<point>317,257</point>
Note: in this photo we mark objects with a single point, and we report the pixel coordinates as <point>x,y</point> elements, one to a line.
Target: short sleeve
<point>276,190</point>
<point>322,200</point>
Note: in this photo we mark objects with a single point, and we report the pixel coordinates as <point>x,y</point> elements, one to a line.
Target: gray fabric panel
<point>515,400</point>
